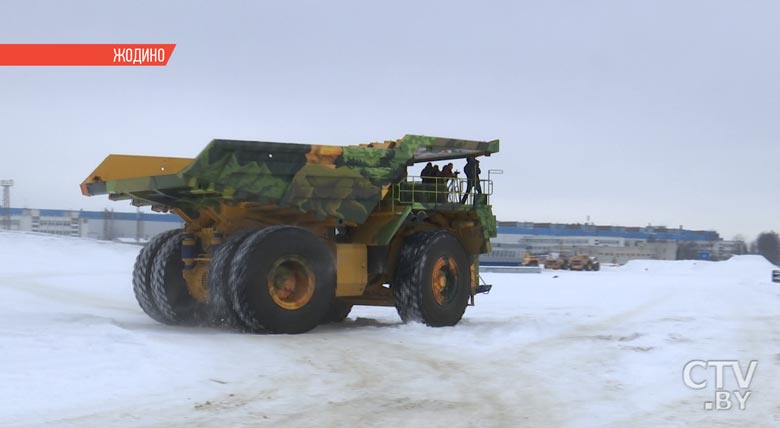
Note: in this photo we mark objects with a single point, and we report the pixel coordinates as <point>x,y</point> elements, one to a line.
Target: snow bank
<point>752,267</point>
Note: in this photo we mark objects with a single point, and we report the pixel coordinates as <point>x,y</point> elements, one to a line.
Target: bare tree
<point>768,245</point>
<point>741,246</point>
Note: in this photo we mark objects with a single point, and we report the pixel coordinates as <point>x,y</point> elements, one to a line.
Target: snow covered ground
<point>557,349</point>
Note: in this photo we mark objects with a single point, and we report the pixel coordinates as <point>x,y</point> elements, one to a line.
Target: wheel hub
<point>290,283</point>
<point>444,280</point>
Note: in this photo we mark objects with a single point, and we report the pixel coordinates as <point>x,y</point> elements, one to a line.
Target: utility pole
<point>6,203</point>
<point>108,224</point>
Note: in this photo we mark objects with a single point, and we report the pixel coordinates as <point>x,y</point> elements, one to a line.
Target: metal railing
<point>433,191</point>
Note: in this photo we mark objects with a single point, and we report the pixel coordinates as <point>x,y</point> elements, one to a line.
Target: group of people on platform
<point>433,175</point>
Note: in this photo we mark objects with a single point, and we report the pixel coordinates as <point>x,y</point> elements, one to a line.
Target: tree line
<point>768,245</point>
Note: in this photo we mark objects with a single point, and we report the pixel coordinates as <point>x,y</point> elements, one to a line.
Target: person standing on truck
<point>435,174</point>
<point>447,172</point>
<point>472,177</point>
<point>427,173</point>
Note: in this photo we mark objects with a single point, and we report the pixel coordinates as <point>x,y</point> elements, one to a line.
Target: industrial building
<point>104,225</point>
<point>610,244</point>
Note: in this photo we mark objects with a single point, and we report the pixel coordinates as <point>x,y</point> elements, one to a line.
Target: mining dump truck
<point>556,262</point>
<point>281,237</point>
<point>530,260</point>
<point>584,262</point>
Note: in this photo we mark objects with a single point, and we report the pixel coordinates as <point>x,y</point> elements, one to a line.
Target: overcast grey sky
<point>630,112</point>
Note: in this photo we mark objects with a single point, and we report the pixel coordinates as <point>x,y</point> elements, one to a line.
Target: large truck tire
<point>142,274</point>
<point>432,281</point>
<point>338,312</point>
<point>282,280</point>
<point>220,309</point>
<point>171,294</point>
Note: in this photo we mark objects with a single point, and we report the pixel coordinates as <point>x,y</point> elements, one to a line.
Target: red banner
<point>86,54</point>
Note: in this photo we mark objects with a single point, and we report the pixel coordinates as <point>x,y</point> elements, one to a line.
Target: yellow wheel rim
<point>444,280</point>
<point>290,283</point>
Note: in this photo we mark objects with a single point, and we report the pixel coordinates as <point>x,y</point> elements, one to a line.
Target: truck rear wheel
<point>338,312</point>
<point>220,308</point>
<point>171,294</point>
<point>282,279</point>
<point>142,274</point>
<point>432,281</point>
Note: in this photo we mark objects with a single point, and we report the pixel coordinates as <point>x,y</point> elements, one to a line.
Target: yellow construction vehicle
<point>556,262</point>
<point>584,262</point>
<point>282,237</point>
<point>530,260</point>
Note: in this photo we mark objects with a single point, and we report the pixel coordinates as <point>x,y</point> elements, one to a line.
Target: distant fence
<point>510,269</point>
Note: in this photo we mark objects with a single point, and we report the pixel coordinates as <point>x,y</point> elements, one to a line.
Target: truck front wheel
<point>432,281</point>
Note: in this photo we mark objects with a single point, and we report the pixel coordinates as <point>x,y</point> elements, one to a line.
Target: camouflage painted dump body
<point>343,182</point>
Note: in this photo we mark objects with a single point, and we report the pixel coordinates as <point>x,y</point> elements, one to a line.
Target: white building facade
<point>611,244</point>
<point>104,225</point>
